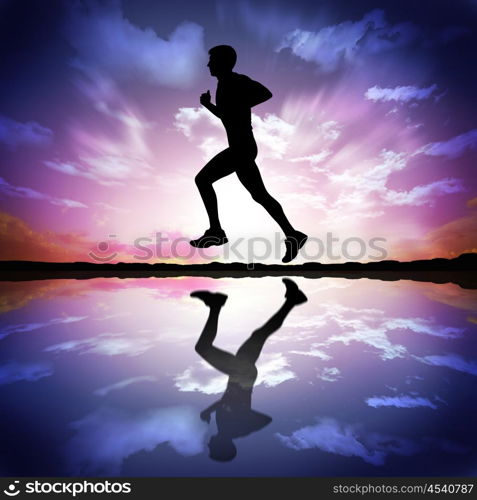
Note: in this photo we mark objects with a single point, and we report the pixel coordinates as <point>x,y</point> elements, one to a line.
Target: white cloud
<point>71,169</point>
<point>28,327</point>
<point>364,328</point>
<point>273,134</point>
<point>330,130</point>
<point>14,134</point>
<point>24,372</point>
<point>314,160</point>
<point>22,192</point>
<point>106,344</point>
<point>399,94</point>
<point>354,325</point>
<point>103,391</point>
<point>113,208</point>
<point>273,369</point>
<point>402,401</point>
<point>333,437</point>
<point>104,39</point>
<point>423,325</point>
<point>127,119</point>
<point>345,42</point>
<point>424,194</point>
<point>202,128</point>
<point>452,148</point>
<point>374,337</point>
<point>117,153</point>
<point>375,179</point>
<point>202,378</point>
<point>188,119</point>
<point>367,326</point>
<point>315,353</point>
<point>331,374</point>
<point>453,361</point>
<point>107,169</point>
<point>106,437</point>
<point>347,440</point>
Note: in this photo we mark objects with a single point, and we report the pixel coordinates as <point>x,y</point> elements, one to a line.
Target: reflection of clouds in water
<point>310,343</point>
<point>422,325</point>
<point>107,344</point>
<point>107,436</point>
<point>336,312</point>
<point>273,369</point>
<point>402,401</point>
<point>30,372</point>
<point>374,337</point>
<point>453,361</point>
<point>410,379</point>
<point>362,328</point>
<point>202,379</point>
<point>103,391</point>
<point>28,327</point>
<point>368,326</point>
<point>329,374</point>
<point>347,440</point>
<point>314,353</point>
<point>113,316</point>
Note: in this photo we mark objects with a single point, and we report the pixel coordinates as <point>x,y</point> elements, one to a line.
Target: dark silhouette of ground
<point>461,270</point>
<point>236,95</point>
<point>233,411</point>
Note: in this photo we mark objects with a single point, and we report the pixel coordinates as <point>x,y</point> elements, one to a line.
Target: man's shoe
<point>293,293</point>
<point>293,243</point>
<point>210,298</point>
<point>210,238</point>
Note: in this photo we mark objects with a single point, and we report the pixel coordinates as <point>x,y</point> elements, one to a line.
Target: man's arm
<point>258,93</point>
<point>205,101</point>
<point>205,414</point>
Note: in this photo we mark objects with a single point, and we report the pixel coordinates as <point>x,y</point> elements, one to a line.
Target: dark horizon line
<point>460,270</point>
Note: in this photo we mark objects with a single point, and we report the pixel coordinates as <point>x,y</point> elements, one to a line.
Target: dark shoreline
<point>461,270</point>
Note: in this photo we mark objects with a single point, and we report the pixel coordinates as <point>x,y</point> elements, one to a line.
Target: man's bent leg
<point>220,166</point>
<point>251,348</point>
<point>249,176</point>
<point>219,359</point>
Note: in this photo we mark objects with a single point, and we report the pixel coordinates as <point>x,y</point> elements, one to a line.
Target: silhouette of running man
<point>236,95</point>
<point>233,411</point>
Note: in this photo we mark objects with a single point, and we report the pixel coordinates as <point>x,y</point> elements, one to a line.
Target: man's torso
<point>232,101</point>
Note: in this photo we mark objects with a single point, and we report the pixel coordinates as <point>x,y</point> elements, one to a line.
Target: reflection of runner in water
<point>233,413</point>
<point>236,95</point>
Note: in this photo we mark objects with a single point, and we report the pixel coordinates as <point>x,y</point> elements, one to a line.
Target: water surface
<point>100,378</point>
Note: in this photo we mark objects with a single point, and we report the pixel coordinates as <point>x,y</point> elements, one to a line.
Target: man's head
<point>222,448</point>
<point>222,60</point>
